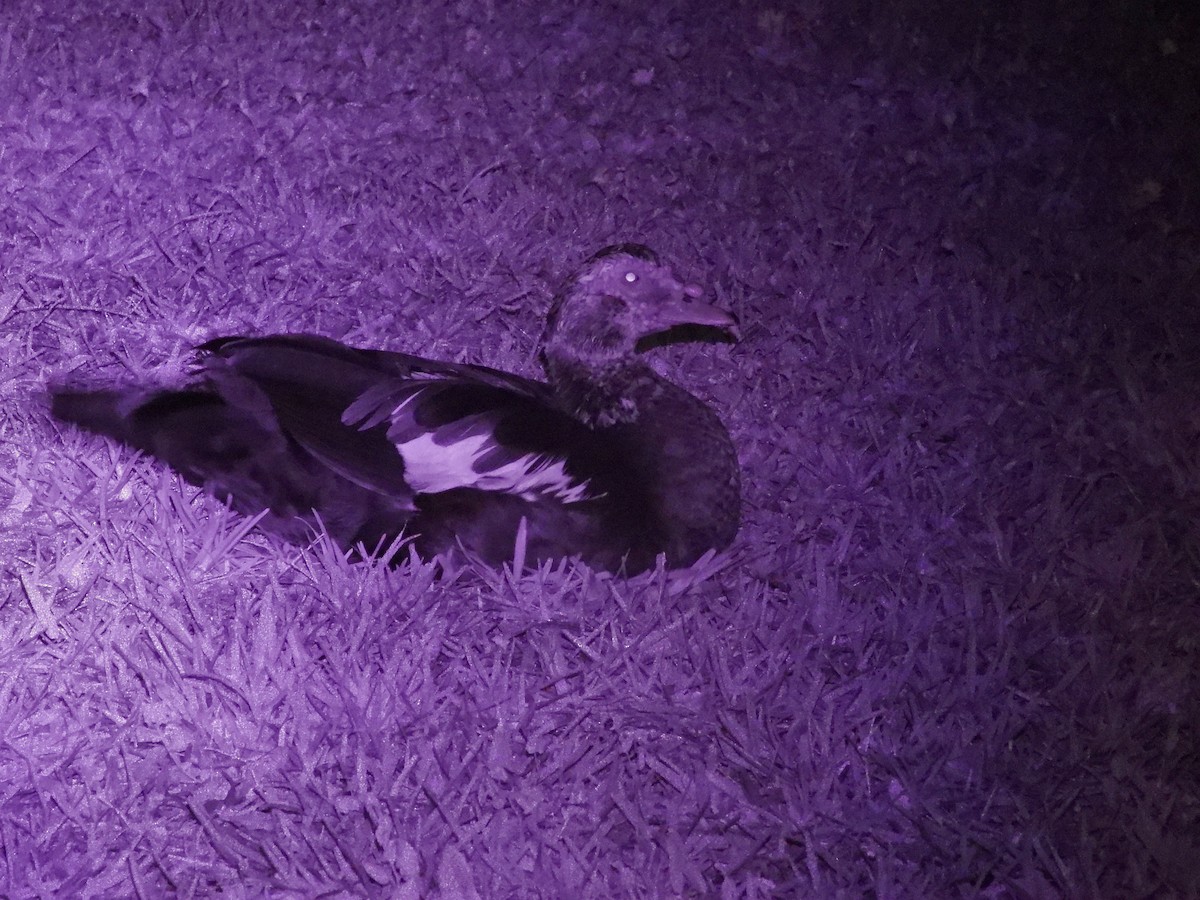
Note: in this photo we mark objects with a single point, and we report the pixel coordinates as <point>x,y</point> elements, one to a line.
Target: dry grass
<point>954,653</point>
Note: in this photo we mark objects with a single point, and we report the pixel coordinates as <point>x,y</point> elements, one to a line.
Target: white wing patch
<point>431,467</point>
<point>451,456</point>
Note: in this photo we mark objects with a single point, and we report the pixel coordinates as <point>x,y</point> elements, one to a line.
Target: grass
<point>954,650</point>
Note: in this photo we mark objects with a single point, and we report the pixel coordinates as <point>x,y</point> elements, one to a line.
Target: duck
<point>605,461</point>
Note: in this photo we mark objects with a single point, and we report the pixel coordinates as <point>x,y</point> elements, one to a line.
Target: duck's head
<point>621,296</point>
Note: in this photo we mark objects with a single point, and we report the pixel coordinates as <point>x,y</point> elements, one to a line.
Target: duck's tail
<point>99,411</point>
<point>191,429</point>
<point>240,454</point>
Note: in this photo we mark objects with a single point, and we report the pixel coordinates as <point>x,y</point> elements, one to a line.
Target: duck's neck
<point>601,393</point>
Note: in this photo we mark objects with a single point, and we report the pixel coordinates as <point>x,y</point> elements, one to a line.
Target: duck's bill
<point>674,313</point>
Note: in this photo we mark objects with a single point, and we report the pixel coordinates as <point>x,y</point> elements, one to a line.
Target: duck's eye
<point>630,277</point>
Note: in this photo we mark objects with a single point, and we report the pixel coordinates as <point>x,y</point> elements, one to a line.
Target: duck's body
<point>606,460</point>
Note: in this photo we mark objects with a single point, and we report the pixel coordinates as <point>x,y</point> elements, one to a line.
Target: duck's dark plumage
<point>605,460</point>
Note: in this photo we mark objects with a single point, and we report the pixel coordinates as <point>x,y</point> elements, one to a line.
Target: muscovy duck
<point>605,460</point>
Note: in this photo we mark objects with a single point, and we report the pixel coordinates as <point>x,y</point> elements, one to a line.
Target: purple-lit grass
<point>954,652</point>
<point>475,702</point>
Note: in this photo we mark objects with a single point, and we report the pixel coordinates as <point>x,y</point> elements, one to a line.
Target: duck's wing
<point>456,432</point>
<point>402,425</point>
<point>301,385</point>
<point>314,361</point>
